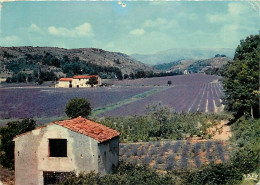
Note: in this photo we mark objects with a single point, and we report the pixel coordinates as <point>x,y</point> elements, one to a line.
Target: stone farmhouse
<point>78,81</point>
<point>47,154</point>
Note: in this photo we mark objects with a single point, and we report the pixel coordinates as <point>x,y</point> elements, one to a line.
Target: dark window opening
<point>51,178</point>
<point>58,147</point>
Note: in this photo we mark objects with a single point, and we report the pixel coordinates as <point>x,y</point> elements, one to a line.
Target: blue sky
<point>140,27</point>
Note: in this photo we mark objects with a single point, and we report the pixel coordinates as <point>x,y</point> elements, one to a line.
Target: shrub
<point>146,160</point>
<point>159,160</point>
<point>125,174</point>
<point>78,107</point>
<point>8,133</point>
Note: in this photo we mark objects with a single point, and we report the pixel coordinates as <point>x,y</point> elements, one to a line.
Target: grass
<point>126,101</point>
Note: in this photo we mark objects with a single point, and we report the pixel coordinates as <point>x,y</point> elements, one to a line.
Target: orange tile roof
<point>89,128</point>
<point>65,79</point>
<point>85,76</point>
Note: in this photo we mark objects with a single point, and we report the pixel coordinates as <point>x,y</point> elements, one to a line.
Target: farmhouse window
<point>58,147</point>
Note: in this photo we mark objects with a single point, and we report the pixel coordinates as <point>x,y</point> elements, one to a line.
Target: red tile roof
<point>89,128</point>
<point>85,76</point>
<point>65,79</point>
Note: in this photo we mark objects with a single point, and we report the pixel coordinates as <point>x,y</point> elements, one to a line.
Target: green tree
<point>241,83</point>
<point>93,81</point>
<point>78,107</point>
<point>7,134</point>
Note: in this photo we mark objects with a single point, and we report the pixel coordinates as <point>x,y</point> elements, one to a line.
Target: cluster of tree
<point>7,134</point>
<point>197,66</point>
<point>161,123</point>
<point>151,74</point>
<point>124,174</point>
<point>37,76</point>
<point>69,66</point>
<point>78,107</point>
<point>241,79</point>
<point>167,66</point>
<point>76,67</point>
<point>216,70</point>
<point>218,55</point>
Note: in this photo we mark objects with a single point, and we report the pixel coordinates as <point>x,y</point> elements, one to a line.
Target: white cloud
<point>154,23</point>
<point>159,22</point>
<point>35,28</point>
<point>137,32</point>
<point>217,18</point>
<point>236,8</point>
<point>10,41</point>
<point>84,30</point>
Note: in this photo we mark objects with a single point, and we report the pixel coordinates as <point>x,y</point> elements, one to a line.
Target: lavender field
<point>188,93</point>
<point>172,155</point>
<point>39,102</point>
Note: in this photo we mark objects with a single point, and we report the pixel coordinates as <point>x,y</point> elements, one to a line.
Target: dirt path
<point>221,131</point>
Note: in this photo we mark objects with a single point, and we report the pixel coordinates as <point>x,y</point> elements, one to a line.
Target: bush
<point>160,123</point>
<point>8,133</point>
<point>125,174</point>
<point>245,160</point>
<point>78,107</point>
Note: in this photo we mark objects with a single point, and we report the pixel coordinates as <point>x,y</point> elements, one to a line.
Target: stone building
<point>49,153</point>
<point>78,81</point>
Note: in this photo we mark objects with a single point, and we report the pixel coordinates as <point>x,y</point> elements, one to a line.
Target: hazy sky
<point>140,27</point>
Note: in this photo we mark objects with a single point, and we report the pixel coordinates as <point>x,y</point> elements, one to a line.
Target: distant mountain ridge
<point>176,54</point>
<point>193,66</point>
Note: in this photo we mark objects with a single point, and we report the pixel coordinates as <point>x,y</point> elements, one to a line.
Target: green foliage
<point>51,64</point>
<point>241,81</point>
<point>245,160</point>
<point>162,123</point>
<point>213,174</point>
<point>78,107</point>
<point>8,133</point>
<point>125,174</point>
<point>167,66</point>
<point>93,81</point>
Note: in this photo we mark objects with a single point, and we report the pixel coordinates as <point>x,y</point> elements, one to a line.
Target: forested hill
<point>66,61</point>
<point>195,66</point>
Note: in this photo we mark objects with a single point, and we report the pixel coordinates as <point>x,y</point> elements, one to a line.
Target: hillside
<point>194,66</point>
<point>182,54</point>
<point>50,58</point>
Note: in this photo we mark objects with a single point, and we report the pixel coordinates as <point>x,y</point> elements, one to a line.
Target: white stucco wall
<point>77,83</point>
<point>32,150</point>
<point>108,155</point>
<point>80,83</point>
<point>63,84</point>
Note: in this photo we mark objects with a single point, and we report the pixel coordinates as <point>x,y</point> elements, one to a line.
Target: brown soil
<point>223,131</point>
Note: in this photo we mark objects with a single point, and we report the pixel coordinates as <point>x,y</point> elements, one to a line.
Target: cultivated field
<point>188,93</point>
<point>171,155</point>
